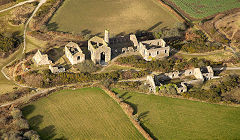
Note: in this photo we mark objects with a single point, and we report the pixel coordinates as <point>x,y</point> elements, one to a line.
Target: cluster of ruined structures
<point>102,49</point>
<point>200,75</point>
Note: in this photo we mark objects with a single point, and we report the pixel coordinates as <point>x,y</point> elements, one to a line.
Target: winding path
<point>28,21</point>
<point>24,47</point>
<point>25,28</point>
<point>27,97</point>
<point>19,4</point>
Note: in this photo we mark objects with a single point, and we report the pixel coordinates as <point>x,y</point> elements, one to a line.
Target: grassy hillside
<point>169,118</point>
<point>204,8</point>
<point>93,16</point>
<point>8,30</point>
<point>87,113</point>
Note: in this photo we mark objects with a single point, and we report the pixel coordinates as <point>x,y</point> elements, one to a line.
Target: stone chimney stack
<point>106,36</point>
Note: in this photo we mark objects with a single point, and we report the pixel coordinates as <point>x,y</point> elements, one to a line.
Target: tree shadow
<point>125,99</point>
<point>142,116</point>
<point>86,32</point>
<point>47,132</point>
<point>52,26</point>
<point>26,110</point>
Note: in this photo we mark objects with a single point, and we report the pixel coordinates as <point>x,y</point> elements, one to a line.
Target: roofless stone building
<point>74,53</point>
<point>100,51</point>
<point>41,59</point>
<point>153,49</point>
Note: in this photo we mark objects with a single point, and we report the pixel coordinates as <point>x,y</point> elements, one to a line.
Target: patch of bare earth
<point>21,14</point>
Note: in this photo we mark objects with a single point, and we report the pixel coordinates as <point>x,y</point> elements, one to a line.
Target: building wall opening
<point>102,59</point>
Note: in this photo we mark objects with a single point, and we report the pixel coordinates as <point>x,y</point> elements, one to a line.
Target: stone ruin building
<point>41,59</point>
<point>56,69</point>
<point>124,44</point>
<point>200,74</point>
<point>99,49</point>
<point>103,49</point>
<point>74,53</point>
<point>153,49</point>
<point>148,49</point>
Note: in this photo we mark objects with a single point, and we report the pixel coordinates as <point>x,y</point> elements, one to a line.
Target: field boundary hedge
<point>128,110</point>
<point>174,11</point>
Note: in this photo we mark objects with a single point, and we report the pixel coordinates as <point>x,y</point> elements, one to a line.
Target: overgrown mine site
<point>119,69</point>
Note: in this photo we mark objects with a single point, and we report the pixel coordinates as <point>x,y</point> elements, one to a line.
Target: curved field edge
<point>172,118</point>
<point>118,16</point>
<point>87,113</point>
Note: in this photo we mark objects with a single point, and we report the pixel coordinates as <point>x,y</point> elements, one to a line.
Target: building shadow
<point>55,54</point>
<point>154,26</point>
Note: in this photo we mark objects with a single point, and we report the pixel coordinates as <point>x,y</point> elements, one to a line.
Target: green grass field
<point>86,113</point>
<point>169,118</point>
<point>203,8</point>
<point>93,16</point>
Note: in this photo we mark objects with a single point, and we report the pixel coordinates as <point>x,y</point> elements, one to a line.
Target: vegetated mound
<point>230,27</point>
<point>86,113</point>
<point>9,44</point>
<point>169,118</point>
<point>198,9</point>
<point>92,17</point>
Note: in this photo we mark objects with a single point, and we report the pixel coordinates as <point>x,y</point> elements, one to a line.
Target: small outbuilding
<point>74,53</point>
<point>56,69</point>
<point>153,49</point>
<point>41,59</point>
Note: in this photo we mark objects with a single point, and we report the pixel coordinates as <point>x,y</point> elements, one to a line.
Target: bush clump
<point>87,66</point>
<point>217,93</point>
<point>165,65</point>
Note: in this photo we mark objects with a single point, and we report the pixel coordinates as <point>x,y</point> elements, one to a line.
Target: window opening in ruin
<point>157,52</point>
<point>78,58</point>
<point>102,59</point>
<point>165,51</point>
